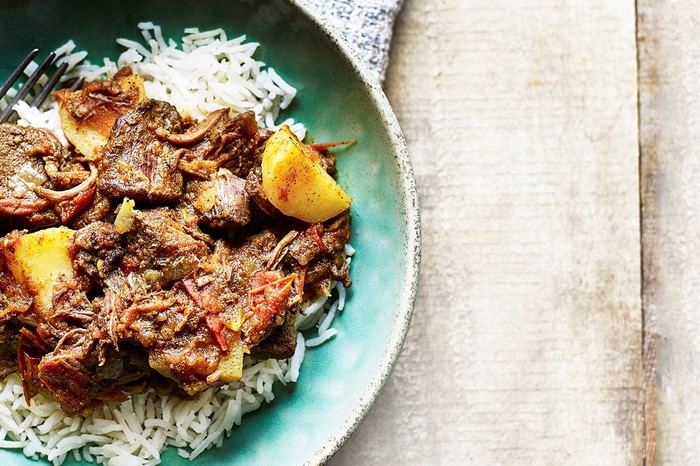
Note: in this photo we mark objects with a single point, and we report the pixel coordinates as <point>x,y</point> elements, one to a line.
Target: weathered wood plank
<point>669,105</point>
<point>526,346</point>
<point>647,55</point>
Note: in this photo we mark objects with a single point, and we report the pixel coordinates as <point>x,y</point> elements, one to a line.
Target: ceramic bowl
<point>337,99</point>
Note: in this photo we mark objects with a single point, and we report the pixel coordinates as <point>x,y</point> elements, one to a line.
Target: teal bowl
<point>337,99</point>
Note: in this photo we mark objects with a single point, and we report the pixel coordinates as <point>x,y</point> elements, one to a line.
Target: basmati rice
<point>207,71</point>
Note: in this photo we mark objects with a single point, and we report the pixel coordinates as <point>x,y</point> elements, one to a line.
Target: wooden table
<point>558,314</point>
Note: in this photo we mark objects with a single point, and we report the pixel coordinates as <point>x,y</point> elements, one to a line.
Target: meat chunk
<point>33,166</point>
<point>98,251</point>
<point>173,329</point>
<point>253,186</point>
<point>22,167</point>
<point>76,377</point>
<point>22,153</point>
<point>281,343</point>
<point>222,203</point>
<point>241,139</point>
<point>162,247</point>
<point>219,140</point>
<point>139,164</point>
<point>14,299</point>
<point>318,254</point>
<point>267,295</point>
<point>72,356</point>
<point>98,209</point>
<point>9,336</point>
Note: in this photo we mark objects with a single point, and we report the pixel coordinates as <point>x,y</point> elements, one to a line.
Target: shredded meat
<point>41,182</point>
<point>22,168</point>
<point>199,271</point>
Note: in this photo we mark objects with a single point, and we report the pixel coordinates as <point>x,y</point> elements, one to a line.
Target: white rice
<point>204,72</point>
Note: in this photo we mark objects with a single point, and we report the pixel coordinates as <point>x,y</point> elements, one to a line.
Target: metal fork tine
<point>17,72</point>
<point>77,84</point>
<point>27,87</point>
<point>48,87</point>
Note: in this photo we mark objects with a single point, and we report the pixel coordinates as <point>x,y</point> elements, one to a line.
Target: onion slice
<point>59,196</point>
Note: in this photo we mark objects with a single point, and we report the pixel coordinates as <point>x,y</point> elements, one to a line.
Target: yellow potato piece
<point>231,365</point>
<point>40,261</point>
<point>87,120</point>
<point>295,182</point>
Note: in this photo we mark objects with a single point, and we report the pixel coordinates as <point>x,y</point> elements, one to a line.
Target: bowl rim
<point>410,211</point>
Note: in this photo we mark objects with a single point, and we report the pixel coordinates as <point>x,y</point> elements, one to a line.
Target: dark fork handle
<point>24,90</point>
<point>48,87</point>
<point>17,72</point>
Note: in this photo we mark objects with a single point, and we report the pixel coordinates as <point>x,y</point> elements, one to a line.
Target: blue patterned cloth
<point>367,24</point>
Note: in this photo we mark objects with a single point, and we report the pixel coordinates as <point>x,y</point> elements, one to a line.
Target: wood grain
<point>669,104</point>
<point>525,348</point>
<point>647,56</point>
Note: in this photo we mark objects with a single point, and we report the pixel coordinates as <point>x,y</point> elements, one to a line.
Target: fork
<point>31,82</point>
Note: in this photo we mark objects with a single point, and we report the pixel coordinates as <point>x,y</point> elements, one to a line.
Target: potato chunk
<point>87,115</point>
<point>230,366</point>
<point>295,182</point>
<point>40,261</point>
